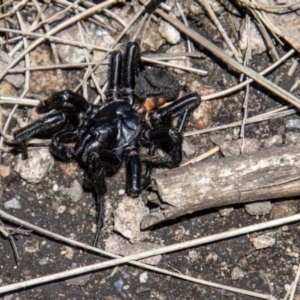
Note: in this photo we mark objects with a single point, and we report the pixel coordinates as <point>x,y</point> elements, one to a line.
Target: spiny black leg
<point>84,139</point>
<point>60,98</point>
<point>146,180</point>
<point>45,123</point>
<point>97,165</point>
<point>169,136</point>
<point>183,108</point>
<point>59,149</point>
<point>131,69</point>
<point>114,82</point>
<point>133,172</point>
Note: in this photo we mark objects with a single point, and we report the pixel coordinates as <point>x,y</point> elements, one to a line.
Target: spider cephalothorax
<point>110,134</point>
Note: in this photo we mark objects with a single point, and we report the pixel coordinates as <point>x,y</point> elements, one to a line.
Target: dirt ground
<point>234,262</point>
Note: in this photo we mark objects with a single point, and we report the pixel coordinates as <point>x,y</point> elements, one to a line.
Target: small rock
<point>75,191</point>
<point>275,140</point>
<point>128,216</point>
<point>18,79</point>
<point>4,171</point>
<point>188,149</point>
<point>151,40</point>
<point>119,285</point>
<point>233,148</point>
<point>13,203</point>
<point>225,211</point>
<point>259,208</point>
<point>237,273</point>
<point>168,32</point>
<point>143,277</point>
<point>263,241</point>
<point>193,255</point>
<point>61,209</point>
<point>43,261</point>
<point>67,252</point>
<point>80,280</point>
<point>292,124</point>
<point>292,138</point>
<point>118,245</point>
<point>35,168</point>
<point>283,209</point>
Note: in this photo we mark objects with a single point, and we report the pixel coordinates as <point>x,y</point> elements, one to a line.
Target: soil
<point>269,271</point>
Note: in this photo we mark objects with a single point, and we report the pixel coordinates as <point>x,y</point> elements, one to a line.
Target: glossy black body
<point>108,135</point>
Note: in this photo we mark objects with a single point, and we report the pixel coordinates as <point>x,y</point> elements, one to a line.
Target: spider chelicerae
<point>106,136</point>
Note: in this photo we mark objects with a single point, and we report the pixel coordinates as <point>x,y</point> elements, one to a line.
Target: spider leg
<point>43,124</point>
<point>60,98</point>
<point>146,180</point>
<point>57,144</point>
<point>133,172</point>
<point>181,108</point>
<point>131,69</point>
<point>169,136</point>
<point>97,165</point>
<point>114,81</point>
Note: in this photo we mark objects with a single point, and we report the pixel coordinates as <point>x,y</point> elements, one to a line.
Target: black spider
<point>110,134</point>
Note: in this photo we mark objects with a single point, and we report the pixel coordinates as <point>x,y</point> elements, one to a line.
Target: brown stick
<point>265,174</point>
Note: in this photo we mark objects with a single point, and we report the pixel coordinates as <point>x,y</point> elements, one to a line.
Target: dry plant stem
<point>131,258</point>
<point>189,44</point>
<point>268,8</point>
<point>201,157</point>
<point>8,234</point>
<point>56,29</point>
<point>51,67</point>
<point>16,8</point>
<point>52,39</point>
<point>15,100</point>
<point>271,48</point>
<point>268,85</point>
<point>75,5</point>
<point>193,70</point>
<point>293,67</point>
<point>272,28</point>
<point>140,26</point>
<point>246,98</point>
<point>218,25</point>
<point>295,284</point>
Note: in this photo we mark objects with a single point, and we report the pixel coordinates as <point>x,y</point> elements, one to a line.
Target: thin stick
<point>201,157</point>
<point>52,39</point>
<point>161,63</point>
